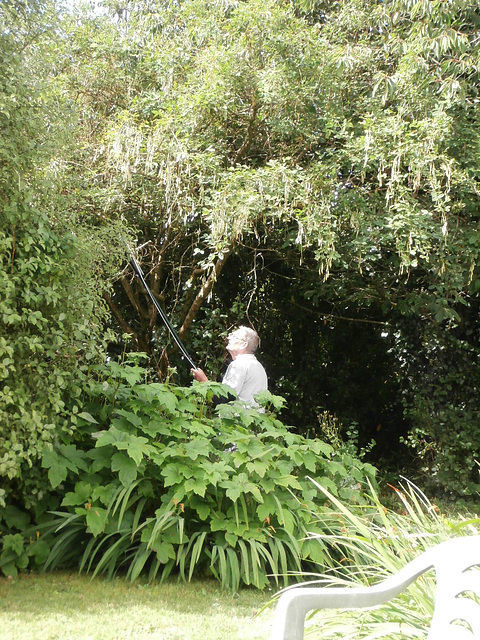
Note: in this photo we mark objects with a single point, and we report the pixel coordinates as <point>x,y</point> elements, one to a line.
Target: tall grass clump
<point>370,542</point>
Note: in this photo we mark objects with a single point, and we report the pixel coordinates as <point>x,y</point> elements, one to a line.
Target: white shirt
<point>247,377</point>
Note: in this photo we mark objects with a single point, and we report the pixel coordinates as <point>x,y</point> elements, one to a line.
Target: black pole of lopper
<point>138,270</point>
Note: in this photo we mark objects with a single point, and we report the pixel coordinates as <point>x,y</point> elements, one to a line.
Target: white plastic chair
<point>456,615</point>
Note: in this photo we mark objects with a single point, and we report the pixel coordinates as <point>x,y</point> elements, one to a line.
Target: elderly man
<point>245,375</point>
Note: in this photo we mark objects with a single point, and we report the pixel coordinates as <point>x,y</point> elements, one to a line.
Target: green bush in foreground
<point>372,543</point>
<point>151,482</point>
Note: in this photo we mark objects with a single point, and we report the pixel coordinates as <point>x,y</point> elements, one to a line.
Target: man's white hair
<point>251,338</point>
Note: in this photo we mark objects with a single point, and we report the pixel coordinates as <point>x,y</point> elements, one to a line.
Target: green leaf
<point>14,542</point>
<point>82,494</point>
<point>288,481</point>
<point>338,468</point>
<point>203,511</point>
<point>87,416</point>
<point>58,462</point>
<point>218,521</point>
<point>71,499</point>
<point>198,486</point>
<point>132,374</point>
<point>167,400</point>
<point>314,549</point>
<point>327,483</point>
<point>126,467</point>
<point>253,446</point>
<point>197,447</point>
<point>265,398</point>
<point>231,538</point>
<point>156,427</point>
<point>136,447</point>
<point>113,436</point>
<point>233,491</point>
<point>40,550</point>
<point>15,518</point>
<point>241,485</point>
<point>320,448</point>
<point>172,475</point>
<point>258,466</point>
<point>289,521</point>
<point>267,509</point>
<point>8,566</point>
<point>165,550</point>
<point>96,520</point>
<point>131,417</point>
<point>57,474</point>
<point>104,494</point>
<point>101,459</point>
<point>72,458</point>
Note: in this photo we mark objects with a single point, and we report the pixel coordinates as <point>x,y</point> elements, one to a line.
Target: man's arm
<point>200,376</point>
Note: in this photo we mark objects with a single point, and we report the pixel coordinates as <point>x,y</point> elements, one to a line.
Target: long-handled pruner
<point>173,333</point>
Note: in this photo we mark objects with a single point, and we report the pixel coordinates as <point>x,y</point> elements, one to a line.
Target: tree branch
<point>124,326</point>
<point>203,293</point>
<point>133,298</point>
<point>249,135</point>
<point>335,317</point>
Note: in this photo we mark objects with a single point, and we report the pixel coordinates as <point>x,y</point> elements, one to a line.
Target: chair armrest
<point>294,604</point>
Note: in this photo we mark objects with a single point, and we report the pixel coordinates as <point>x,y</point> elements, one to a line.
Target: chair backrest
<point>457,597</point>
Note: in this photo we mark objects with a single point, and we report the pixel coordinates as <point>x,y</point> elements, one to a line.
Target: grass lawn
<point>68,606</point>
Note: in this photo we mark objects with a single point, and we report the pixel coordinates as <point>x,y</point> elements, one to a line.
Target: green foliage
<point>293,165</point>
<point>443,407</point>
<point>51,312</point>
<point>155,481</point>
<point>331,150</point>
<point>20,550</point>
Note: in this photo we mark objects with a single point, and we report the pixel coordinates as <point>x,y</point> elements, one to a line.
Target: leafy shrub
<point>52,272</point>
<point>155,480</point>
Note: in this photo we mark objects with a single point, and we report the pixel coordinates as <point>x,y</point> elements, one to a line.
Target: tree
<point>333,143</point>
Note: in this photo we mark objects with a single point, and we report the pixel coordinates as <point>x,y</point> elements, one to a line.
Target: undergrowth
<point>154,480</point>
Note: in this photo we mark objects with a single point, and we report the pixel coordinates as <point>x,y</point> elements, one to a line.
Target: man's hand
<point>199,375</point>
